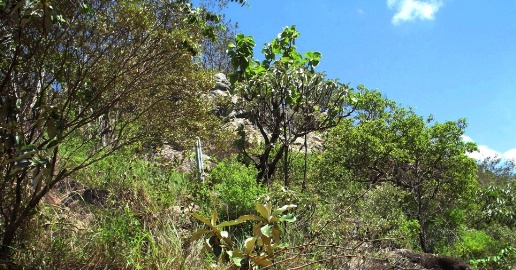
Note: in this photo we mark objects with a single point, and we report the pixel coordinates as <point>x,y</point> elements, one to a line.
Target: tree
<point>214,51</point>
<point>496,171</point>
<point>387,143</point>
<point>497,195</point>
<point>285,98</point>
<point>97,74</point>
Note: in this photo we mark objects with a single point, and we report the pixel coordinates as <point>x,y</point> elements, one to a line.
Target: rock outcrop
<point>399,259</point>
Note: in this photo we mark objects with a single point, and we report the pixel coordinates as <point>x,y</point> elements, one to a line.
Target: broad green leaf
<point>259,241</point>
<point>196,235</point>
<point>257,229</point>
<point>276,232</point>
<point>313,58</point>
<point>283,209</point>
<point>249,244</point>
<point>250,217</point>
<point>266,230</point>
<point>236,260</point>
<point>269,209</point>
<point>268,248</point>
<point>230,223</point>
<point>261,260</point>
<point>263,211</point>
<point>214,217</point>
<point>235,253</point>
<point>202,219</point>
<point>274,220</point>
<point>288,218</point>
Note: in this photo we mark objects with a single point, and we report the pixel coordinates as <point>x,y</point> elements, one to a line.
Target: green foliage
<point>496,171</point>
<point>504,260</point>
<point>122,229</point>
<point>236,188</point>
<point>296,167</point>
<point>472,244</point>
<point>498,203</point>
<point>102,71</point>
<point>258,250</point>
<point>387,143</point>
<point>283,96</point>
<point>139,225</point>
<point>82,83</point>
<point>381,217</point>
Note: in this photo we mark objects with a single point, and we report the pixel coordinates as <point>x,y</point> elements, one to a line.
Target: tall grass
<point>139,224</point>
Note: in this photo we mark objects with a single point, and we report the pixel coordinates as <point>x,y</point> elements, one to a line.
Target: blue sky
<point>453,59</point>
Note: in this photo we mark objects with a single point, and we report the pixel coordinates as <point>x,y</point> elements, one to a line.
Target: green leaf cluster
<point>258,250</point>
<point>383,142</point>
<point>235,188</point>
<point>284,96</point>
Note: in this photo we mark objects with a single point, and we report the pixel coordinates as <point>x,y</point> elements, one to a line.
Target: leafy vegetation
<point>236,188</point>
<point>386,143</point>
<point>101,102</point>
<point>285,98</point>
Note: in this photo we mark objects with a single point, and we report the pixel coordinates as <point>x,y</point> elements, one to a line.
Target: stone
<point>221,82</point>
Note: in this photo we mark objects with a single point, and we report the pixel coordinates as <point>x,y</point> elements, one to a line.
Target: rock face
<point>221,97</point>
<point>407,259</point>
<point>221,82</point>
<point>221,87</point>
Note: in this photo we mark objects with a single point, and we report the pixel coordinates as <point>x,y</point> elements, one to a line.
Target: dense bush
<point>235,188</point>
<point>381,215</point>
<point>473,244</point>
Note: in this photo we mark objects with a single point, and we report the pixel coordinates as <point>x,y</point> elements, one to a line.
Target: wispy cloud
<point>486,152</point>
<point>409,10</point>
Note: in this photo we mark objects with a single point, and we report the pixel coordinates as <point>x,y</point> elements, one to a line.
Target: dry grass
<point>127,229</point>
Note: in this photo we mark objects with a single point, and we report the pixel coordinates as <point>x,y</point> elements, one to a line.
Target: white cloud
<point>511,154</point>
<point>467,138</point>
<point>485,152</point>
<point>409,10</point>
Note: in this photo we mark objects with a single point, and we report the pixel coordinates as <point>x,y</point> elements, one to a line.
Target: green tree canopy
<point>103,73</point>
<point>283,95</point>
<point>387,143</point>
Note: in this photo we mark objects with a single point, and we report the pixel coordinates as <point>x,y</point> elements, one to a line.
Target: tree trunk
<point>285,167</point>
<point>7,241</point>
<point>265,168</point>
<point>303,186</point>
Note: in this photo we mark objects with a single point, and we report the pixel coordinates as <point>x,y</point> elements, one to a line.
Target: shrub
<point>235,188</point>
<point>383,218</point>
<point>473,244</point>
<point>505,259</point>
